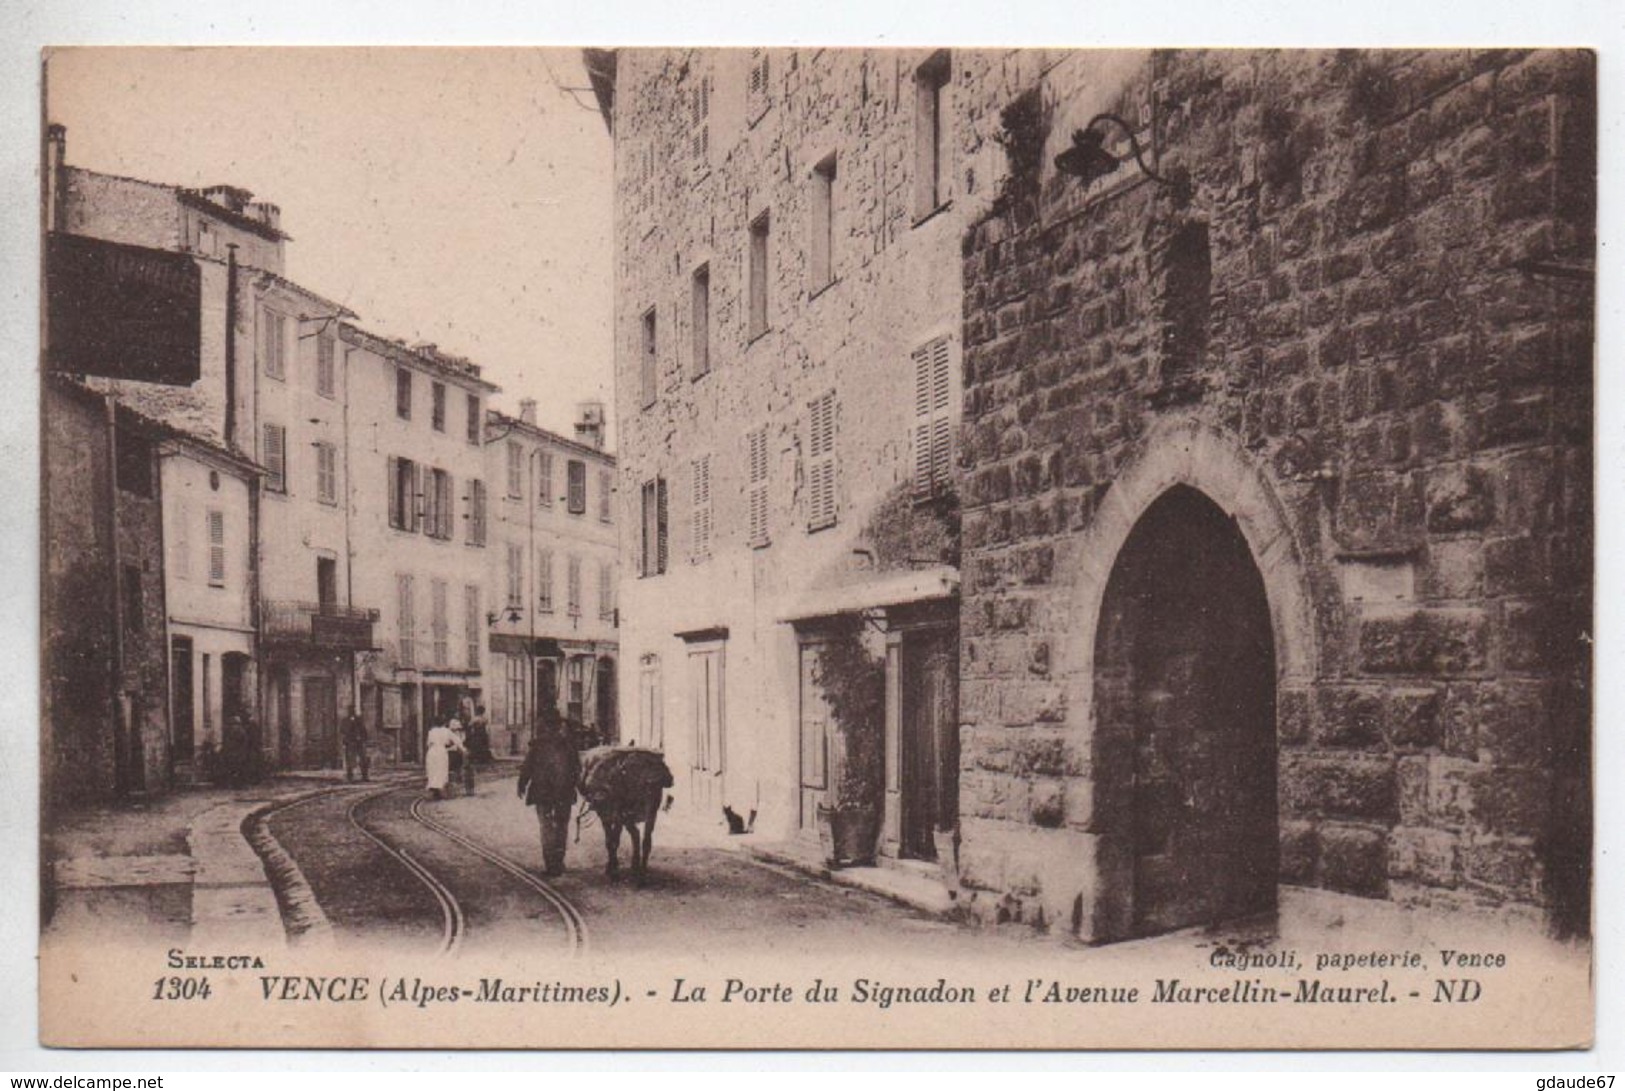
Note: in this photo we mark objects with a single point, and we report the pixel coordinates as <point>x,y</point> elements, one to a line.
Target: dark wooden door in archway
<point>1185,687</point>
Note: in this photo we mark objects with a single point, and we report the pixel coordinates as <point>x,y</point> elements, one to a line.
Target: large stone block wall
<point>1390,387</point>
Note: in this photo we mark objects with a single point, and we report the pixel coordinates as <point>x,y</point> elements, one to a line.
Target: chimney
<point>527,410</point>
<point>56,154</point>
<point>590,428</point>
<point>230,198</point>
<point>266,213</point>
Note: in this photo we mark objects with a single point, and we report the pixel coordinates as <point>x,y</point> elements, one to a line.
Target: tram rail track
<point>455,921</point>
<point>454,918</point>
<point>575,925</point>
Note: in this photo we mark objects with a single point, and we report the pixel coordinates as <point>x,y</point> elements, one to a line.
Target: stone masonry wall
<point>1387,254</point>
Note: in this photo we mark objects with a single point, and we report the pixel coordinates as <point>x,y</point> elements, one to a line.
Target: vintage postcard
<point>795,547</point>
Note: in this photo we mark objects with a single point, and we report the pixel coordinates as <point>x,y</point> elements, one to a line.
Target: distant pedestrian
<point>355,745</point>
<point>442,743</point>
<point>547,781</point>
<point>458,757</point>
<point>479,738</point>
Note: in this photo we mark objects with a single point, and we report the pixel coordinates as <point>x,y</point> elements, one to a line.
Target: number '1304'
<point>181,988</point>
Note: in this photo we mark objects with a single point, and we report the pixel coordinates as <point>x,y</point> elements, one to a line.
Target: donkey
<point>625,787</point>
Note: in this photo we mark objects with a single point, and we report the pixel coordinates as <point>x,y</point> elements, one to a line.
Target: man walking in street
<point>355,745</point>
<point>547,782</point>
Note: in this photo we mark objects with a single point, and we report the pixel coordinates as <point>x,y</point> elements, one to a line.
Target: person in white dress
<point>437,759</point>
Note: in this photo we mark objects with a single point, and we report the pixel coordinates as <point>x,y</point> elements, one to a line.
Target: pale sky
<point>450,195</point>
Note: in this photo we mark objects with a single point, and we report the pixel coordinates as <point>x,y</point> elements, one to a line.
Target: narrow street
<point>381,871</point>
<point>697,898</point>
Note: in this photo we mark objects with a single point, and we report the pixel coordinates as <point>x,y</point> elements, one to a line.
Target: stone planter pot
<point>848,834</point>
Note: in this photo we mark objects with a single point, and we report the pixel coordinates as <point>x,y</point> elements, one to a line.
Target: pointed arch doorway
<point>1185,696</point>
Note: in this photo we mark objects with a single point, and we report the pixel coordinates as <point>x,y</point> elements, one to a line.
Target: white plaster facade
<point>553,579</point>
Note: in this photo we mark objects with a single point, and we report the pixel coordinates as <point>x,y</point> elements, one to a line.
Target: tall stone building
<point>1271,389</point>
<point>553,574</point>
<point>105,692</point>
<point>787,343</point>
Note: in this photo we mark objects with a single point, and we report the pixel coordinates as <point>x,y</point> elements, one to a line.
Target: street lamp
<point>1088,160</point>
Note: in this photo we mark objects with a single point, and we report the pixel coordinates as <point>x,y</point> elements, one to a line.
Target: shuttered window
<point>756,87</point>
<point>573,580</point>
<point>471,625</point>
<point>756,491</point>
<point>439,624</point>
<point>276,458</point>
<point>544,580</point>
<point>544,478</point>
<point>606,488</point>
<point>324,366</point>
<point>606,591</point>
<point>932,439</point>
<point>437,505</point>
<point>405,622</point>
<point>577,472</point>
<point>476,512</point>
<point>474,419</point>
<point>700,509</point>
<point>699,123</point>
<point>327,478</point>
<point>403,393</point>
<point>274,343</point>
<point>516,470</point>
<point>821,464</point>
<point>516,575</point>
<point>217,548</point>
<point>653,552</point>
<point>405,485</point>
<point>437,406</point>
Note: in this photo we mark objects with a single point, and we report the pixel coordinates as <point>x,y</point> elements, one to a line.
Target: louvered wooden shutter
<point>419,497</point>
<point>756,460</point>
<point>544,580</point>
<point>933,419</point>
<point>392,464</point>
<point>660,521</point>
<point>447,491</point>
<point>821,463</point>
<point>276,458</point>
<point>701,508</point>
<point>471,624</point>
<point>217,547</point>
<point>699,117</point>
<point>439,627</point>
<point>405,621</point>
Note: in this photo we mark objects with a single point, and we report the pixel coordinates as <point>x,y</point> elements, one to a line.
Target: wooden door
<point>321,721</point>
<point>814,736</point>
<point>183,715</point>
<point>930,740</point>
<point>707,742</point>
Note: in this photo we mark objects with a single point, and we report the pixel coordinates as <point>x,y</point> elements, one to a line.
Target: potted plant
<point>854,684</point>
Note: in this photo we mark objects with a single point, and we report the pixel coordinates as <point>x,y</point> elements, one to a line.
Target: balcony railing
<point>317,624</point>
